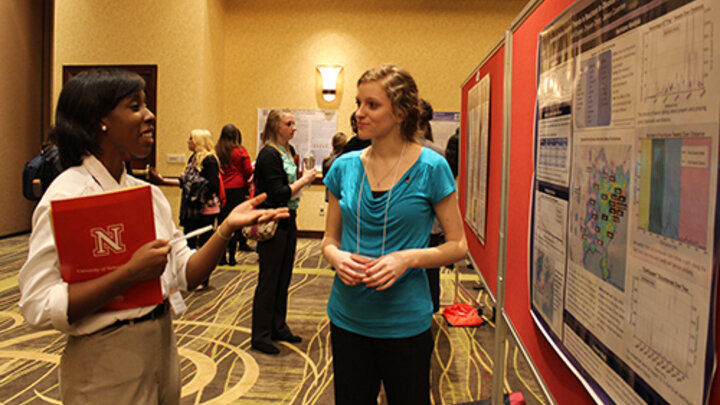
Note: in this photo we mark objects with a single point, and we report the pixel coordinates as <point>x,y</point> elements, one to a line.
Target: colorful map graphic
<point>598,207</point>
<point>674,189</point>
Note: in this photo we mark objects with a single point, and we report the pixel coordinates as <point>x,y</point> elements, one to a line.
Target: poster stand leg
<point>500,327</point>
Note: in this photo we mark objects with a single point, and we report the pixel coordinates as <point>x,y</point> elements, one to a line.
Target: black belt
<point>159,311</point>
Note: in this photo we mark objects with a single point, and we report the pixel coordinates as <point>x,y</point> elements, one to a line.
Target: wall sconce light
<point>329,75</point>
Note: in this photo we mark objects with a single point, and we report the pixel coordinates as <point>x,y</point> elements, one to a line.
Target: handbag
<point>260,232</point>
<point>462,314</point>
<point>194,190</point>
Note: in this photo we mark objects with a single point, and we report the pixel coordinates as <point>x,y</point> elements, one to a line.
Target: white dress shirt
<point>43,293</point>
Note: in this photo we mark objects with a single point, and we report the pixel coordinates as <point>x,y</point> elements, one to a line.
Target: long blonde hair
<point>274,119</point>
<point>202,138</point>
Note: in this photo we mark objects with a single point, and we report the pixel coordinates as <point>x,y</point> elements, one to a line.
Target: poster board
<point>559,377</point>
<point>478,132</point>
<point>484,253</point>
<point>315,129</point>
<point>623,242</point>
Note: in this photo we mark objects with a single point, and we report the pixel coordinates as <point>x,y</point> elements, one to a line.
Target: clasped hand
<point>382,272</point>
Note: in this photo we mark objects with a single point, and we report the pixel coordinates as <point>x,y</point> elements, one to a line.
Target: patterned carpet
<point>217,364</point>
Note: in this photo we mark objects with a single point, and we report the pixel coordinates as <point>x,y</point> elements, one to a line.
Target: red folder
<point>96,234</point>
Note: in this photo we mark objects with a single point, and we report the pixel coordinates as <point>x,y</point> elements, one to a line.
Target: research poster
<point>478,124</point>
<point>443,125</point>
<point>623,252</point>
<point>315,129</point>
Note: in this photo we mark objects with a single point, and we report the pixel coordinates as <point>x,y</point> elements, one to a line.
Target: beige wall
<point>220,60</point>
<point>184,38</point>
<point>20,106</point>
<point>273,47</point>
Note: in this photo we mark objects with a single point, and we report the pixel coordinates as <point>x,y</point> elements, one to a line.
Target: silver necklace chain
<point>387,202</point>
<point>397,164</point>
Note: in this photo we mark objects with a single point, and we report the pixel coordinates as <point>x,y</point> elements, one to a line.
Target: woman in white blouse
<point>127,356</point>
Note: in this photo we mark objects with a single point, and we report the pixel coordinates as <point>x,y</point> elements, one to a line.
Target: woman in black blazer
<point>276,175</point>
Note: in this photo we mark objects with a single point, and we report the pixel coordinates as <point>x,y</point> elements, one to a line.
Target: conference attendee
<point>337,141</point>
<point>452,156</point>
<point>200,202</point>
<point>276,174</point>
<point>383,200</point>
<point>124,356</point>
<point>436,234</point>
<point>356,142</point>
<point>236,169</point>
<point>451,151</point>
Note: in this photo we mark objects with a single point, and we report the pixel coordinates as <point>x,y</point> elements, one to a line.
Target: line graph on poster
<point>677,58</point>
<point>665,331</point>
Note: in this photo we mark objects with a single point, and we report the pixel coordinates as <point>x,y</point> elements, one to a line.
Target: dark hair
<point>426,115</point>
<point>402,91</point>
<point>230,138</point>
<point>353,123</point>
<point>84,101</point>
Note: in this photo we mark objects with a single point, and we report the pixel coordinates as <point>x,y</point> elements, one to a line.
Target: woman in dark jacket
<point>276,175</point>
<point>200,204</point>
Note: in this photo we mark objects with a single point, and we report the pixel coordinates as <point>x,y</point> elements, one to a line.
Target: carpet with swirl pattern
<point>217,365</point>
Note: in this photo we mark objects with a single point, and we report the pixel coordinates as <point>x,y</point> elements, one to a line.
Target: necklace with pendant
<point>387,203</point>
<point>395,167</point>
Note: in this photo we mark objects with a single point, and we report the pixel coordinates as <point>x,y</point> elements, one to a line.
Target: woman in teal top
<point>382,203</point>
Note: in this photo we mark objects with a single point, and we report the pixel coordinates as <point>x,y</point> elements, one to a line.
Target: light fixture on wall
<point>329,75</point>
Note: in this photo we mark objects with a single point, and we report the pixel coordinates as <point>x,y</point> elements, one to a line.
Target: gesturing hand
<point>247,214</point>
<point>384,271</point>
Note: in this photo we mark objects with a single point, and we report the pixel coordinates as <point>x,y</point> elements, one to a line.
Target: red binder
<point>96,234</point>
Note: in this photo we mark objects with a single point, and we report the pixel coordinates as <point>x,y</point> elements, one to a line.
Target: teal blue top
<point>291,170</point>
<point>405,309</point>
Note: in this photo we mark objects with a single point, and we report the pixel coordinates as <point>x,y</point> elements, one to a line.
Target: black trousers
<point>197,223</point>
<point>235,197</point>
<point>360,363</point>
<point>277,256</point>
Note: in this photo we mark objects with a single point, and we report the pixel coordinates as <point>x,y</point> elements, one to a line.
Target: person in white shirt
<point>127,356</point>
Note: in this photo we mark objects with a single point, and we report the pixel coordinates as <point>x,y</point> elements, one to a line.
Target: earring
<point>103,128</point>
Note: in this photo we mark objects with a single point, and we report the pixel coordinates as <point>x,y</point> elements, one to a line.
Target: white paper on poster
<point>472,157</point>
<point>554,127</point>
<point>477,156</point>
<point>550,236</point>
<point>444,124</point>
